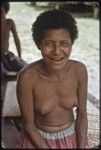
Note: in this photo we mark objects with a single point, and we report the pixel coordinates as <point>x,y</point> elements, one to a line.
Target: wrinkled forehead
<point>61,33</point>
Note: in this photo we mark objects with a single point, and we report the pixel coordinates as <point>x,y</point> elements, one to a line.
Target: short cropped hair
<point>53,19</point>
<point>6,6</point>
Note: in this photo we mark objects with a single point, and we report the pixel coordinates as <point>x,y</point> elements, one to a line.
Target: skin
<point>50,88</point>
<point>7,26</point>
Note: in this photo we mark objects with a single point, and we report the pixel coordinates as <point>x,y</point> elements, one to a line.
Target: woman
<point>50,88</point>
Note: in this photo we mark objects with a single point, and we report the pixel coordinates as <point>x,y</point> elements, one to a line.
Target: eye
<point>47,44</point>
<point>65,44</point>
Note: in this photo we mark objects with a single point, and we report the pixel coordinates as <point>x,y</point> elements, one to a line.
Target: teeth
<point>57,59</point>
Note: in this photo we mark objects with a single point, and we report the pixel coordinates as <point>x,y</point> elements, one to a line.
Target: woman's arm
<point>26,103</point>
<point>81,120</point>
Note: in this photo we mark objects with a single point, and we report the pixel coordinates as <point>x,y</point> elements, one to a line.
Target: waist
<point>54,127</point>
<point>58,134</point>
<point>5,52</point>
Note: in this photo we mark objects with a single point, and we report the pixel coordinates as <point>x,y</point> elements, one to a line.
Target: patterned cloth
<point>59,140</point>
<point>10,62</point>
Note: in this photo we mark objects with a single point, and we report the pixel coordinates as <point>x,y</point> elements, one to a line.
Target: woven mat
<point>93,124</point>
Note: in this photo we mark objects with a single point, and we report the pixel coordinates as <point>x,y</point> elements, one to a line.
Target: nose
<point>56,49</point>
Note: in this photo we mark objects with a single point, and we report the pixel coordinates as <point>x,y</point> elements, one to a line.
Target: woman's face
<point>56,47</point>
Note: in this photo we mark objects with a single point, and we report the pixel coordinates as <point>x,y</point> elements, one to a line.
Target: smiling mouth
<point>57,59</point>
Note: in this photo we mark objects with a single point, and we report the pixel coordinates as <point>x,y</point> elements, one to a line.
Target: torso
<point>54,100</point>
<point>6,27</point>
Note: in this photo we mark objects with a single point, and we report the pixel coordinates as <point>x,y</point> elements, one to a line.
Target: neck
<point>56,73</point>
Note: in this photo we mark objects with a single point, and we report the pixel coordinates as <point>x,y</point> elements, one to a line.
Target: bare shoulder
<point>80,69</point>
<point>28,73</point>
<point>10,21</point>
<point>80,66</point>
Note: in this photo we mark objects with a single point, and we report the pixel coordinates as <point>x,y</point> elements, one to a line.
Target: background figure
<point>9,61</point>
<point>49,89</point>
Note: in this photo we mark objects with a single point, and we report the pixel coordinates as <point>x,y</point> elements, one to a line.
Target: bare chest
<point>6,27</point>
<point>49,94</point>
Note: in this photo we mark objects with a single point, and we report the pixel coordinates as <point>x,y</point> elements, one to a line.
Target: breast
<point>50,105</point>
<point>69,103</point>
<point>48,95</point>
<point>43,108</point>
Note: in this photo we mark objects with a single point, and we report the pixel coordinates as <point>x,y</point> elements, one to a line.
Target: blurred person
<point>9,62</point>
<point>49,89</point>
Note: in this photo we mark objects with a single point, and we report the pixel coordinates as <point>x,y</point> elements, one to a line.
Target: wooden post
<point>96,12</point>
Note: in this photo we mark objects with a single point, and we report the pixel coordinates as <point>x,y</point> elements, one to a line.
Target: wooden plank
<point>9,133</point>
<point>93,100</point>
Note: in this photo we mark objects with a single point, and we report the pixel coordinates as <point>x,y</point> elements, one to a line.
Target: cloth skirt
<point>61,139</point>
<point>10,62</point>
